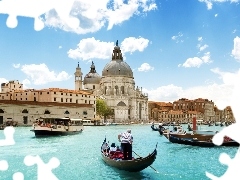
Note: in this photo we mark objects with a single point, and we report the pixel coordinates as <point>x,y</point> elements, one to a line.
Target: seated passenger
<point>105,147</point>
<point>113,148</point>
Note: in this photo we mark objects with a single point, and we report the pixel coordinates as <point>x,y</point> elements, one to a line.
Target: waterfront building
<point>204,107</point>
<point>183,110</point>
<point>164,112</point>
<point>117,87</point>
<point>25,106</point>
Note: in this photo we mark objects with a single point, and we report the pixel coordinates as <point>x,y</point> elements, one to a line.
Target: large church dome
<point>92,77</point>
<point>117,67</point>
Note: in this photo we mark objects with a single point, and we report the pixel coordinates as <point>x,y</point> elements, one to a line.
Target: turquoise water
<point>80,157</point>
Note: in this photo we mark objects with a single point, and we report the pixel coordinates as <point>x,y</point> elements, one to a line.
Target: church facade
<point>117,87</point>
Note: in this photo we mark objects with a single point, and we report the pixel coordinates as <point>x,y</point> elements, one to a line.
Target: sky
<point>176,49</point>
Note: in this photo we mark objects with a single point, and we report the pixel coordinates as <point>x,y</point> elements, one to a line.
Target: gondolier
<point>126,140</point>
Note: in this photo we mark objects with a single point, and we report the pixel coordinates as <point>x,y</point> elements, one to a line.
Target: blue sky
<point>177,49</point>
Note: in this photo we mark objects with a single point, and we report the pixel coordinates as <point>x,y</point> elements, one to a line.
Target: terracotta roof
<point>56,90</point>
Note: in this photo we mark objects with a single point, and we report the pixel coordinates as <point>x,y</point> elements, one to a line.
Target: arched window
<point>105,90</point>
<point>47,112</point>
<point>116,89</point>
<point>122,89</point>
<point>25,111</point>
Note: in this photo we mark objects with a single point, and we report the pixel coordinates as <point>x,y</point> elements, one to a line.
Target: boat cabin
<point>59,122</point>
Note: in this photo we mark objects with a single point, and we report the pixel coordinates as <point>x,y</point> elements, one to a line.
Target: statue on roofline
<point>117,43</point>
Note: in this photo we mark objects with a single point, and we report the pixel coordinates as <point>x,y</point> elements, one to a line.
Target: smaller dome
<point>92,77</point>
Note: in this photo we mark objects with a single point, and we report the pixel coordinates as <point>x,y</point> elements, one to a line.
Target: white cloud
<point>236,48</point>
<point>177,38</point>
<point>201,48</point>
<point>200,39</point>
<point>215,15</point>
<point>192,62</point>
<point>16,66</point>
<point>206,58</point>
<point>132,44</point>
<point>93,15</point>
<point>167,93</point>
<point>59,47</point>
<point>196,61</point>
<point>145,67</point>
<point>209,3</point>
<point>220,94</point>
<point>91,48</point>
<point>40,74</point>
<point>25,83</point>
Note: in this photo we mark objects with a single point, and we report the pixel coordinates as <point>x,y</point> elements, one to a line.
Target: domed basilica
<point>117,87</point>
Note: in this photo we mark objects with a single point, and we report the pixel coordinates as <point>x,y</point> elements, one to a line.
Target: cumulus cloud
<point>196,61</point>
<point>236,48</point>
<point>200,39</point>
<point>132,44</point>
<point>220,93</point>
<point>40,74</point>
<point>145,67</point>
<point>93,15</point>
<point>91,48</point>
<point>209,3</point>
<point>201,48</point>
<point>26,83</point>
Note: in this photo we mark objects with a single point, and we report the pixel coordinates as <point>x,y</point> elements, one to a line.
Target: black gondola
<point>195,142</point>
<point>154,128</point>
<point>134,165</point>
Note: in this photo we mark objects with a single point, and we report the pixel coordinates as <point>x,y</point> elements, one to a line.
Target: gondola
<point>134,165</point>
<point>154,128</point>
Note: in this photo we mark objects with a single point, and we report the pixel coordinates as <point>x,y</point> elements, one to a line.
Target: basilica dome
<point>117,67</point>
<point>92,77</point>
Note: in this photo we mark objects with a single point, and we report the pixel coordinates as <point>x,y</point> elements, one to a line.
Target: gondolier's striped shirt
<point>126,138</point>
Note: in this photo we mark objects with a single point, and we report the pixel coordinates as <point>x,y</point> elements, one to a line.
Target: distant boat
<point>88,122</point>
<point>111,124</point>
<point>197,138</point>
<point>57,126</point>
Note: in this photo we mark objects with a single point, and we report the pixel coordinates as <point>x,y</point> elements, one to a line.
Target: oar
<point>150,165</point>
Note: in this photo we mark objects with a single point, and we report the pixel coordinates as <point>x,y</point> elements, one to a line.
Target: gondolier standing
<point>126,140</point>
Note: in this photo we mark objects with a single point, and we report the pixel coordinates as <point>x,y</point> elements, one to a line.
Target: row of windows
<point>48,112</point>
<point>48,93</point>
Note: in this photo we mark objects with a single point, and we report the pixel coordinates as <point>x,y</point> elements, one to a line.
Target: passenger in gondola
<point>105,148</point>
<point>113,148</point>
<point>126,140</point>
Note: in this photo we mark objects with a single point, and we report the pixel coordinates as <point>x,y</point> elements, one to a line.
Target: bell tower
<point>78,78</point>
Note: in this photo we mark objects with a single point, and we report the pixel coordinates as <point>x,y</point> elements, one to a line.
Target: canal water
<point>80,157</point>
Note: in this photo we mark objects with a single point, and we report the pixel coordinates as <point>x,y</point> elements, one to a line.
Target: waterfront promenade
<point>80,157</point>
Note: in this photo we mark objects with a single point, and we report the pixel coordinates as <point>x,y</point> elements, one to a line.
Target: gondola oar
<point>150,165</point>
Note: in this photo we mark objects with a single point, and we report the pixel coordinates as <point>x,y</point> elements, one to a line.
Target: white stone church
<point>117,87</point>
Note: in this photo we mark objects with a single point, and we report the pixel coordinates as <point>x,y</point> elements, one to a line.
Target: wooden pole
<point>194,123</point>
